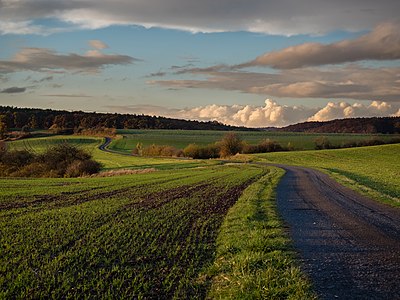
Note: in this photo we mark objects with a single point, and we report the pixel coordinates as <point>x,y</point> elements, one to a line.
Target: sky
<point>254,63</point>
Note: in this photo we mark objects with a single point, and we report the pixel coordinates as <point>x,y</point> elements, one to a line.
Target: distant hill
<point>68,121</point>
<point>351,125</point>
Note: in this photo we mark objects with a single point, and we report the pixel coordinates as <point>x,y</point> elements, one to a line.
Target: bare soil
<point>348,244</point>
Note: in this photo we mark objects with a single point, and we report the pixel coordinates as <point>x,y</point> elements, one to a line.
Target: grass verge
<point>372,171</point>
<point>254,259</point>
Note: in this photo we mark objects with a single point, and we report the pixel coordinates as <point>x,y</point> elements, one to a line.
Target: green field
<point>181,138</point>
<point>145,235</point>
<point>108,160</point>
<point>374,171</point>
<point>190,229</point>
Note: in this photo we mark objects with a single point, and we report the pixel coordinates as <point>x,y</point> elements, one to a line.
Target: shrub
<point>58,161</point>
<point>198,152</point>
<point>17,158</point>
<point>191,150</point>
<point>82,167</point>
<point>60,156</point>
<point>161,150</point>
<point>34,169</point>
<point>264,146</point>
<point>322,143</point>
<point>230,145</point>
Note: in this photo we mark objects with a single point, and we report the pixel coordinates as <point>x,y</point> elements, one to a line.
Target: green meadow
<point>109,161</point>
<point>181,138</point>
<point>150,235</point>
<point>186,229</point>
<point>374,170</point>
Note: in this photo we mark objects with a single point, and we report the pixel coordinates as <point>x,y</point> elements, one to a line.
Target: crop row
<point>145,235</point>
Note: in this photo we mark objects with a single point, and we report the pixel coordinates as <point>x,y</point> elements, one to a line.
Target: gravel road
<point>348,244</point>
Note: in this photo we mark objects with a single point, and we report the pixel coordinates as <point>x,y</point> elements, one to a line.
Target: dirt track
<point>348,244</point>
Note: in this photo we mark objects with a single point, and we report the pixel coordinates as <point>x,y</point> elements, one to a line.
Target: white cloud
<point>343,110</point>
<point>266,16</point>
<point>271,114</point>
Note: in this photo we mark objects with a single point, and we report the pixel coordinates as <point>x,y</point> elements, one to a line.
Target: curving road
<point>106,143</point>
<point>348,244</point>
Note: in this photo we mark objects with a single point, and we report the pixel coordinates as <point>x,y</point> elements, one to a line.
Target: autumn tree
<point>231,144</point>
<point>3,126</point>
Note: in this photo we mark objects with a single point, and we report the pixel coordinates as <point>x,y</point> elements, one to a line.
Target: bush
<point>230,145</point>
<point>161,150</point>
<point>264,146</point>
<point>322,143</point>
<point>34,169</point>
<point>60,156</point>
<point>198,152</point>
<point>17,158</point>
<point>62,160</point>
<point>82,168</point>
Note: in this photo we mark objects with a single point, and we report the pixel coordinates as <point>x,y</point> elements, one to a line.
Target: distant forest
<point>354,125</point>
<point>34,118</point>
<point>68,122</point>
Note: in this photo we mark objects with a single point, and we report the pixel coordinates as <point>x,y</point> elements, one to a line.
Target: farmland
<point>145,235</point>
<point>374,171</point>
<point>181,138</point>
<point>109,160</point>
<point>188,229</point>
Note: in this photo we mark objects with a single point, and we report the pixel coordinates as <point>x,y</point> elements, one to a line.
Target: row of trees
<point>230,145</point>
<point>324,143</point>
<point>351,125</point>
<point>62,160</point>
<point>14,117</point>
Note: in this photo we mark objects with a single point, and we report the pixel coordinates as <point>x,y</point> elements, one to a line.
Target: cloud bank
<point>265,16</point>
<point>271,114</point>
<point>13,90</point>
<point>46,60</point>
<point>383,43</point>
<point>349,82</point>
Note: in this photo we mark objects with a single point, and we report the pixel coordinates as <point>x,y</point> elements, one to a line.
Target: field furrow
<point>143,240</point>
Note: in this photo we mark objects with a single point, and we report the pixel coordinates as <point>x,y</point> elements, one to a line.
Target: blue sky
<point>252,63</point>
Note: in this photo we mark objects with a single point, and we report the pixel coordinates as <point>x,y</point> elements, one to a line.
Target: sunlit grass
<point>374,171</point>
<point>254,258</point>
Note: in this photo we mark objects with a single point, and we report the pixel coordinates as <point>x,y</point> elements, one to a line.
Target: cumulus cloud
<point>13,90</point>
<point>350,82</point>
<point>383,43</point>
<point>270,114</point>
<point>343,110</point>
<point>266,16</point>
<point>46,60</point>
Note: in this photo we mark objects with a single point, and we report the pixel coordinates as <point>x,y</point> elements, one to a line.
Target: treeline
<point>324,143</point>
<point>230,145</point>
<point>62,160</point>
<point>385,125</point>
<point>32,118</point>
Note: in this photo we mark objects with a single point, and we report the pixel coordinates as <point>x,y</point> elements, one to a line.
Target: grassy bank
<point>373,171</point>
<point>254,259</point>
